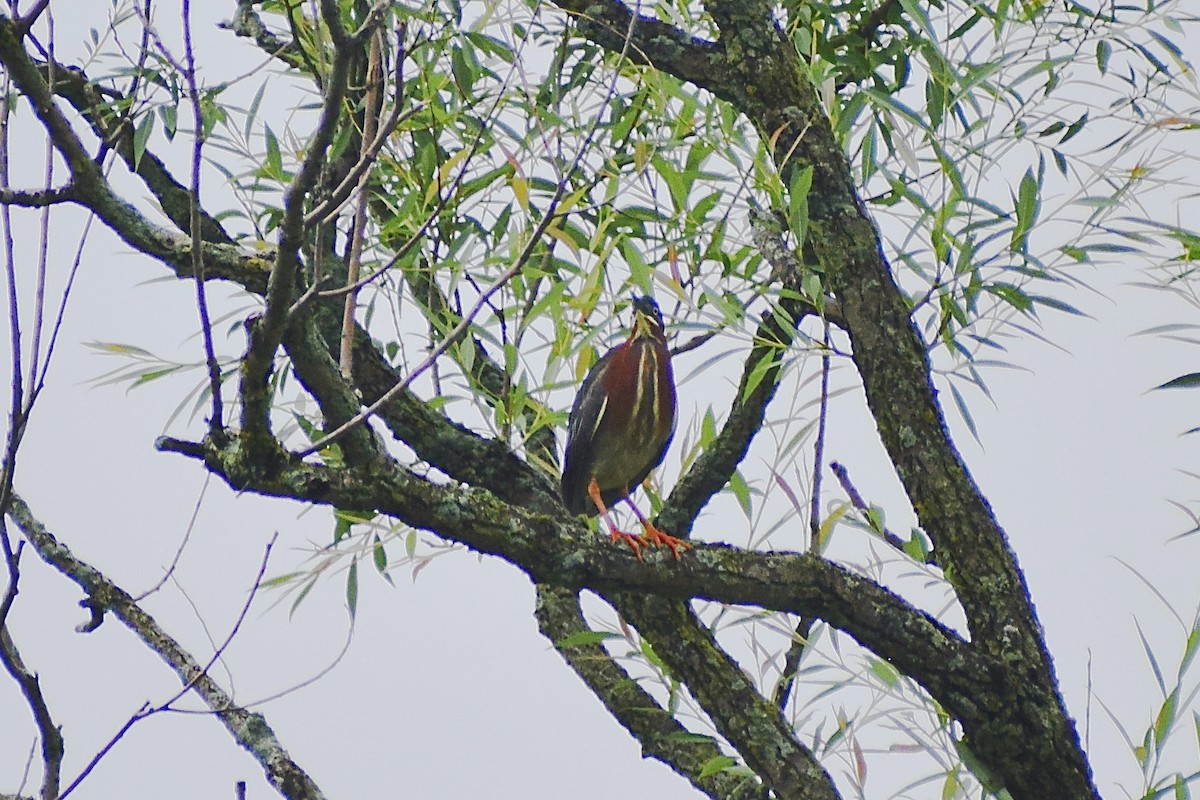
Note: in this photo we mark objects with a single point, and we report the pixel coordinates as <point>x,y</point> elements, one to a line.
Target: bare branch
<point>31,689</point>
<point>372,106</point>
<point>147,710</point>
<point>38,198</point>
<point>249,729</point>
<point>215,421</point>
<point>748,720</point>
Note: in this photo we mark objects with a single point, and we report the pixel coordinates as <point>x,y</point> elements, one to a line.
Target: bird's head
<point>647,319</point>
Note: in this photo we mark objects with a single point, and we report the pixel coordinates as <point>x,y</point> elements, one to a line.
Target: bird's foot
<point>654,536</point>
<point>630,539</point>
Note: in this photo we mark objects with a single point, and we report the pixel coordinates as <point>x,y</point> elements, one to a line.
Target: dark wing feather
<point>581,430</point>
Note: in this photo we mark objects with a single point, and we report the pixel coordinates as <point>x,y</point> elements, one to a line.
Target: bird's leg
<point>654,536</point>
<point>613,533</point>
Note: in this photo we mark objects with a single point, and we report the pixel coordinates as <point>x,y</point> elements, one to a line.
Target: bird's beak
<point>643,326</point>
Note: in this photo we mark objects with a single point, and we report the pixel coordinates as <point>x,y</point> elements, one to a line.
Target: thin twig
<point>814,519</point>
<point>39,292</point>
<point>146,710</point>
<point>215,423</point>
<point>187,535</point>
<point>328,208</point>
<point>857,501</point>
<point>370,123</point>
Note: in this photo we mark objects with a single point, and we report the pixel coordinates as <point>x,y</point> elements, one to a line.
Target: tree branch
<point>651,42</point>
<point>660,735</point>
<point>748,720</point>
<point>116,131</point>
<point>268,330</point>
<point>250,730</point>
<point>247,23</point>
<point>94,192</point>
<point>758,70</point>
<point>563,552</point>
<point>37,198</point>
<point>31,689</point>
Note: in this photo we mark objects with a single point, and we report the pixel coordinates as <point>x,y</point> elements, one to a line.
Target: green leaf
<point>916,547</point>
<point>769,360</point>
<point>714,765</point>
<point>1189,381</point>
<point>961,404</point>
<point>585,638</point>
<point>798,202</point>
<point>741,490</point>
<point>141,135</point>
<point>170,120</point>
<point>274,165</point>
<point>352,588</point>
<point>303,593</point>
<point>1028,204</point>
<point>1165,719</point>
<point>884,671</point>
<point>1103,54</point>
<point>379,558</point>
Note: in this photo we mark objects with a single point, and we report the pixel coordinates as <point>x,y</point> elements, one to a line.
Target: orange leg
<point>654,536</point>
<point>635,542</point>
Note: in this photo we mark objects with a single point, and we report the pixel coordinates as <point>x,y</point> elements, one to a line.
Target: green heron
<point>620,427</point>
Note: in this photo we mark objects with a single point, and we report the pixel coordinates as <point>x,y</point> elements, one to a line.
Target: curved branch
<point>562,552</point>
<point>250,730</point>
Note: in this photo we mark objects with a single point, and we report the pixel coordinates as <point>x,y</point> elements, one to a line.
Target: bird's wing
<point>585,419</point>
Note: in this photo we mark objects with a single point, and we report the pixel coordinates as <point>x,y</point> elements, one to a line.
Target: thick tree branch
<point>661,736</point>
<point>314,364</point>
<point>759,72</point>
<point>250,730</point>
<point>562,552</point>
<point>652,42</point>
<point>754,726</point>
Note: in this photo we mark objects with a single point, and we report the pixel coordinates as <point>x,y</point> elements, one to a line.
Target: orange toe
<point>656,537</point>
<point>634,542</point>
